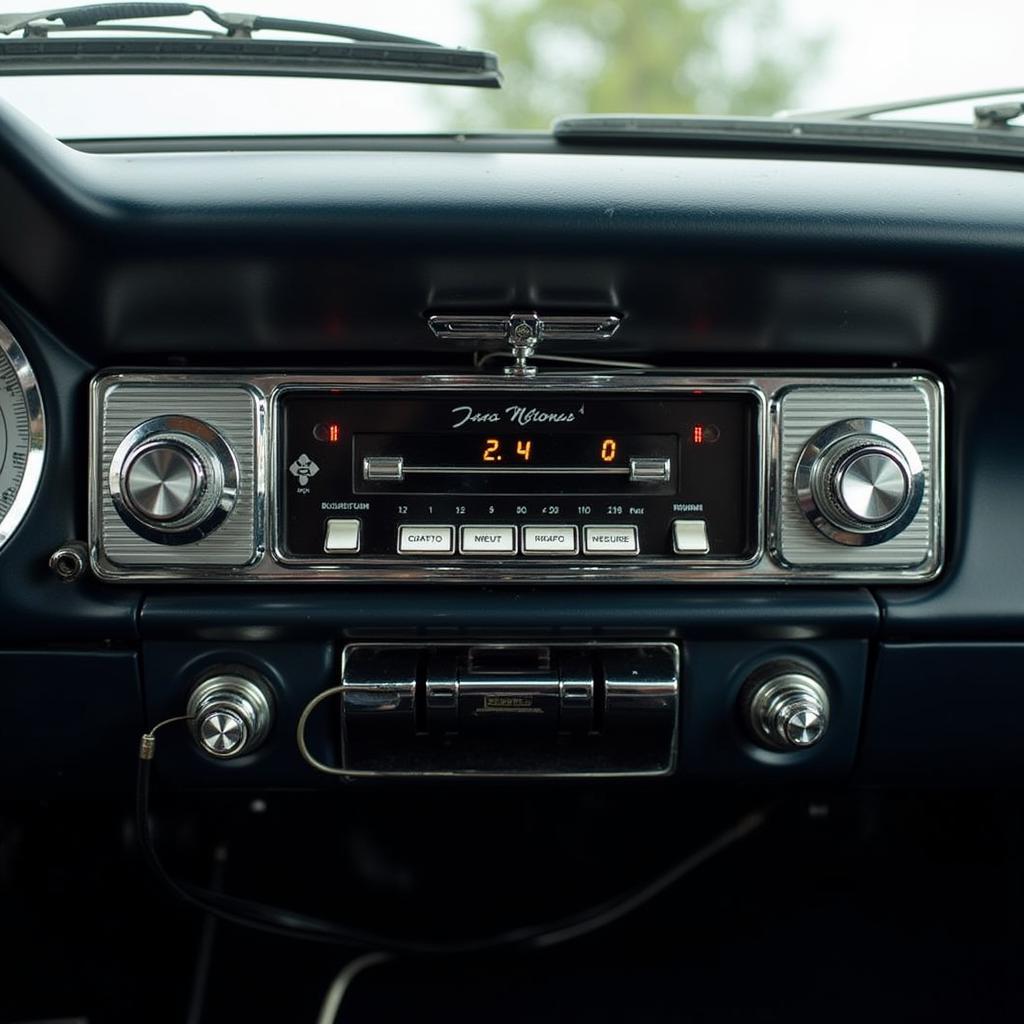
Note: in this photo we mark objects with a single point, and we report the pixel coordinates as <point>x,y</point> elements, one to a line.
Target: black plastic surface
<point>71,721</point>
<point>486,614</point>
<point>263,256</point>
<point>946,714</point>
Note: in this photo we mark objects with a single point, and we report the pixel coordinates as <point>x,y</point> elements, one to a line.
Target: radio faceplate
<point>504,476</point>
<point>564,477</point>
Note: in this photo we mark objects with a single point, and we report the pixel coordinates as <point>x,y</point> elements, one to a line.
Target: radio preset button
<point>487,540</point>
<point>610,540</point>
<point>426,540</point>
<point>342,536</point>
<point>549,540</point>
<point>690,537</point>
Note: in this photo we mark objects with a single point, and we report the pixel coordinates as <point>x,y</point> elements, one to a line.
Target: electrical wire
<point>479,360</point>
<point>343,982</point>
<point>289,924</point>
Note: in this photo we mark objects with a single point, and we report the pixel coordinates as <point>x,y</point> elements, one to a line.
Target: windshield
<point>565,57</point>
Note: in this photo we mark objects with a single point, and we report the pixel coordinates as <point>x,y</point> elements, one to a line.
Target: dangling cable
<point>343,982</point>
<point>289,924</point>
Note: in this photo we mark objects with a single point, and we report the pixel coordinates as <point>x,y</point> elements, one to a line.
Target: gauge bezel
<point>36,456</point>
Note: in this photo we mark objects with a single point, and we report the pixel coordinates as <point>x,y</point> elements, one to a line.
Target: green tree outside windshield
<point>565,57</point>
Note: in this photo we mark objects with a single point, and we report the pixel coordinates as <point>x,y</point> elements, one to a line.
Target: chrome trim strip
<point>764,566</point>
<point>468,327</point>
<point>36,457</point>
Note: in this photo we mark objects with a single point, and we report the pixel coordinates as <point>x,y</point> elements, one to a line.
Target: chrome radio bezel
<point>269,563</point>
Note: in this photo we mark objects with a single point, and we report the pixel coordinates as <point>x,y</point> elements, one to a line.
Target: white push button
<point>549,540</point>
<point>690,537</point>
<point>426,540</point>
<point>342,535</point>
<point>610,540</point>
<point>487,540</point>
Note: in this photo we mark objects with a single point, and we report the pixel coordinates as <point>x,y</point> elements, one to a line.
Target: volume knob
<point>859,481</point>
<point>173,479</point>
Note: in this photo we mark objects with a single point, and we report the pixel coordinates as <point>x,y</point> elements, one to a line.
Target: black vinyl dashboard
<point>883,295</point>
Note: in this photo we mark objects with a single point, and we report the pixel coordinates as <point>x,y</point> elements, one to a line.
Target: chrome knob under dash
<point>230,714</point>
<point>787,708</point>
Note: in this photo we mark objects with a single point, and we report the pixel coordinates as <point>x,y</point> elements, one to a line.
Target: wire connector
<point>147,743</point>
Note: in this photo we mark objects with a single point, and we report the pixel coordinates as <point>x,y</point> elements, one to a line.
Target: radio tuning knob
<point>164,480</point>
<point>173,479</point>
<point>859,481</point>
<point>230,714</point>
<point>786,707</point>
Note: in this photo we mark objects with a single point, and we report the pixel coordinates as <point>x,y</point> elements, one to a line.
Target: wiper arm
<point>228,49</point>
<point>89,16</point>
<point>865,113</point>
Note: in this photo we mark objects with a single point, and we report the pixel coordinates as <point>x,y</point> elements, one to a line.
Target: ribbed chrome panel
<point>803,411</point>
<point>231,410</point>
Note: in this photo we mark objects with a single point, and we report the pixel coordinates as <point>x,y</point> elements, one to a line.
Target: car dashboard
<point>439,472</point>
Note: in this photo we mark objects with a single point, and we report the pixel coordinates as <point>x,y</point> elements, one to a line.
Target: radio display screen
<point>525,462</point>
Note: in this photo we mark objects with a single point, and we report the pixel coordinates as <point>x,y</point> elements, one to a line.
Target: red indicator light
<point>328,432</point>
<point>698,433</point>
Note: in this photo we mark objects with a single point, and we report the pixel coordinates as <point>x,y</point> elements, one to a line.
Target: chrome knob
<point>163,481</point>
<point>787,708</point>
<point>230,714</point>
<point>173,479</point>
<point>222,732</point>
<point>871,484</point>
<point>859,482</point>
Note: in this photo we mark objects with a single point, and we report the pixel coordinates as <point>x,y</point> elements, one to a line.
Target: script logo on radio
<point>520,415</point>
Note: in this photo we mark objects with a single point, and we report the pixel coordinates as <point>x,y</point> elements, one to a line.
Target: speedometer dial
<point>22,435</point>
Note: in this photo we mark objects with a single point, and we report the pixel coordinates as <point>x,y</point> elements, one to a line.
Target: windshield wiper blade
<point>228,49</point>
<point>768,132</point>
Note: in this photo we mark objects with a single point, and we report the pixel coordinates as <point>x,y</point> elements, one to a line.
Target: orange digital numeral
<point>491,450</point>
<point>523,448</point>
<point>608,449</point>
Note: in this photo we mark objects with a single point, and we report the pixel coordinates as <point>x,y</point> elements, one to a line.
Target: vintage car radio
<point>619,477</point>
